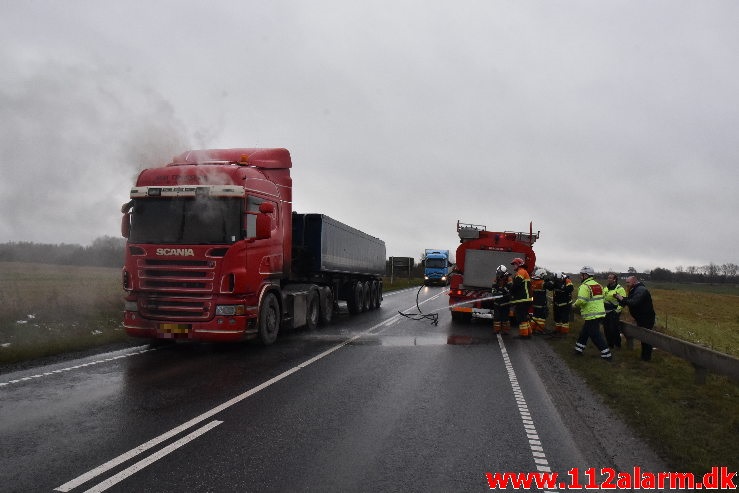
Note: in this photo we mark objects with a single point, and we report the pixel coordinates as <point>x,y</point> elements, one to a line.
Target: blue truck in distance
<point>436,267</point>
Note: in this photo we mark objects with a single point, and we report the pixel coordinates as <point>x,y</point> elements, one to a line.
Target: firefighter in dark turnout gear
<point>521,297</point>
<point>592,309</point>
<point>502,295</point>
<point>562,288</point>
<point>539,294</point>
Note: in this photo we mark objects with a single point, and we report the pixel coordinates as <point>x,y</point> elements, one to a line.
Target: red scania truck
<point>478,255</point>
<point>215,252</point>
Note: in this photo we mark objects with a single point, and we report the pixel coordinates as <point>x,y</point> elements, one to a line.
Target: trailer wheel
<point>311,315</point>
<point>374,295</point>
<point>366,296</point>
<point>269,319</point>
<point>327,307</point>
<point>354,297</point>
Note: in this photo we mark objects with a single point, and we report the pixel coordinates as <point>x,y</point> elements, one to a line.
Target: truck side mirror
<point>126,225</point>
<point>264,225</point>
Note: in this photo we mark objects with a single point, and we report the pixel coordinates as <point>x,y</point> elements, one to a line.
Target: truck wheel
<point>269,319</point>
<point>311,315</point>
<point>366,296</point>
<point>373,295</point>
<point>354,297</point>
<point>327,308</point>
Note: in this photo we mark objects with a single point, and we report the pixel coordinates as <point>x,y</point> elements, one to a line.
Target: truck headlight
<point>130,306</point>
<point>230,310</point>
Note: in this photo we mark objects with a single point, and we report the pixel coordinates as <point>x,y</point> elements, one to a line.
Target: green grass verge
<point>694,427</point>
<point>400,283</point>
<point>52,309</point>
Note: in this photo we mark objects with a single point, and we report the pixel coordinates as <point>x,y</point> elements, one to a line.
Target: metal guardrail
<point>702,358</point>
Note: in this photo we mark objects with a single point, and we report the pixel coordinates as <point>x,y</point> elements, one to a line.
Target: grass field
<point>703,314</point>
<point>694,427</point>
<point>50,309</point>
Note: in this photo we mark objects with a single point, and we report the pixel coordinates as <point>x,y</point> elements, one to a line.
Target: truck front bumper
<point>220,329</point>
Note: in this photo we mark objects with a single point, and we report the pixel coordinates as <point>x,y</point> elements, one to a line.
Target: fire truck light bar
<point>199,191</point>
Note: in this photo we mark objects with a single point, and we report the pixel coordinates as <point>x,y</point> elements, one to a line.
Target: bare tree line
<point>705,273</point>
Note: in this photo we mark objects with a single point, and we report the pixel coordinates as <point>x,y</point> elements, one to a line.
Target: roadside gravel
<point>605,438</point>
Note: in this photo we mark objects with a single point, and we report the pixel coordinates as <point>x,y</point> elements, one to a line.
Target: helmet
<point>517,262</point>
<point>587,270</point>
<point>501,270</point>
<point>558,275</point>
<point>540,272</point>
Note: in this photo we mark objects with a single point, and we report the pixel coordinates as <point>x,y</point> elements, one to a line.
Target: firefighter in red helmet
<point>521,297</point>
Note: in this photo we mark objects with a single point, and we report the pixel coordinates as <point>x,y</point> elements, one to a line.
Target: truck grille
<point>176,307</point>
<point>191,276</point>
<point>183,289</point>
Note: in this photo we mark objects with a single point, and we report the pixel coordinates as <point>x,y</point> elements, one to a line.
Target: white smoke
<point>73,139</point>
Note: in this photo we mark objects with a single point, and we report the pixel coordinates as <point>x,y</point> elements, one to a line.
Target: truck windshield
<point>435,263</point>
<point>186,221</point>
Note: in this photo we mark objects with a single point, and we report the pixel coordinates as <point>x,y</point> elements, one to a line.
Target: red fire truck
<point>214,252</point>
<point>479,254</point>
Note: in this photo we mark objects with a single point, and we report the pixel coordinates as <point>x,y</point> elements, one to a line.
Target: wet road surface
<point>374,402</point>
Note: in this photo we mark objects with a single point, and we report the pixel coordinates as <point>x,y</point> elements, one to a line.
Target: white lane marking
<point>113,480</point>
<point>76,367</point>
<point>70,485</point>
<point>537,451</point>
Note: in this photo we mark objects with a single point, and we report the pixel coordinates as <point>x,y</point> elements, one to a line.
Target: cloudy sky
<point>612,126</point>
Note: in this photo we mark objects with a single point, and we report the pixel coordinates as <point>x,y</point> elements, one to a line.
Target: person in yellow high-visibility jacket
<point>592,310</point>
<point>612,322</point>
<point>521,297</point>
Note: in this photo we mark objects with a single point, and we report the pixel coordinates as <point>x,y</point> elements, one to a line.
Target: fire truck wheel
<point>327,307</point>
<point>269,319</point>
<point>311,315</point>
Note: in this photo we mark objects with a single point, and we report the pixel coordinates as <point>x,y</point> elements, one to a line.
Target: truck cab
<point>436,267</point>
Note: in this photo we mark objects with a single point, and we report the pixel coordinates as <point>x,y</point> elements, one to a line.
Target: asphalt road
<point>374,402</point>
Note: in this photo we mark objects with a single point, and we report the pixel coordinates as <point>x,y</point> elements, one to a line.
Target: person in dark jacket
<point>639,301</point>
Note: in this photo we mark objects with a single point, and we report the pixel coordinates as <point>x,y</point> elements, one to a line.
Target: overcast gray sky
<point>613,126</point>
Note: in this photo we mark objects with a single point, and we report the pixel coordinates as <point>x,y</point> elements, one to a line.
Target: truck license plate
<point>174,328</point>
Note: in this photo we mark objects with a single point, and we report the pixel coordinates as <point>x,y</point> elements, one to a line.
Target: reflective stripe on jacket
<point>563,295</point>
<point>521,288</point>
<point>590,300</point>
<point>610,301</point>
